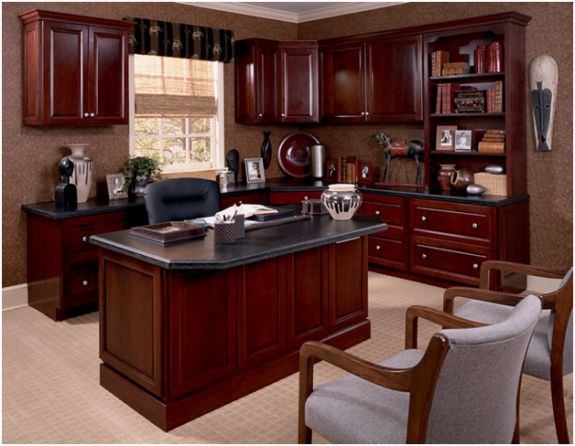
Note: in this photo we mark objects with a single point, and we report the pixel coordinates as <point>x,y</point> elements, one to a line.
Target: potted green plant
<point>139,171</point>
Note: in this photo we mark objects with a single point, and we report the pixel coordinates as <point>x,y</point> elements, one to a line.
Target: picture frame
<point>331,170</point>
<point>463,140</point>
<point>445,137</point>
<point>255,172</point>
<point>115,183</point>
<point>365,174</point>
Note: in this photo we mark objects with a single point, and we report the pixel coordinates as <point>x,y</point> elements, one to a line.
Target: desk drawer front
<point>390,213</point>
<point>82,278</point>
<point>387,252</point>
<point>77,231</point>
<point>455,221</point>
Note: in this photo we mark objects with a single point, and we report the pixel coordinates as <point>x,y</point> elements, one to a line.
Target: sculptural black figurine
<point>266,150</point>
<point>65,194</point>
<point>233,160</point>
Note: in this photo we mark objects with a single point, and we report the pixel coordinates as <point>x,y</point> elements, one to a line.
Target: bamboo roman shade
<point>169,86</point>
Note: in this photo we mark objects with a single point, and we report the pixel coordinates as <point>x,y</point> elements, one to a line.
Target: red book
<point>438,98</point>
<point>479,59</point>
<point>494,58</point>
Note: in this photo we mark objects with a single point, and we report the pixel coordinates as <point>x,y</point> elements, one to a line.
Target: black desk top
<point>257,245</point>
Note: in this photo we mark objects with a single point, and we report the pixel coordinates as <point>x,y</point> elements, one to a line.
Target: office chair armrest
<point>446,320</point>
<point>520,268</point>
<point>499,297</point>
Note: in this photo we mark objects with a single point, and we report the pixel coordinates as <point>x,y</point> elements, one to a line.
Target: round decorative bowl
<point>341,201</point>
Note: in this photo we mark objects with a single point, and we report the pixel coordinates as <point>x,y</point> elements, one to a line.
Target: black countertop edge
<point>91,207</point>
<point>183,265</point>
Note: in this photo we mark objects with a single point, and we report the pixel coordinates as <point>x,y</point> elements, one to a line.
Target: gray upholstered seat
<point>474,400</point>
<point>181,199</point>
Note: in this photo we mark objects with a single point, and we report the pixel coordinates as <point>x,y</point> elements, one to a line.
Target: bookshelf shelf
<point>471,77</point>
<point>466,115</point>
<point>472,153</point>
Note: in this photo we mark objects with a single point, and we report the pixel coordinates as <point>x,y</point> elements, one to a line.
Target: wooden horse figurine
<point>392,149</point>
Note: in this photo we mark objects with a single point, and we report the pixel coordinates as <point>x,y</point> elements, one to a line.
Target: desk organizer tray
<point>169,232</point>
<point>276,222</point>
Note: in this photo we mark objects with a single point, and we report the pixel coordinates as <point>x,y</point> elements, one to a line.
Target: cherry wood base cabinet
<point>178,344</point>
<point>75,69</point>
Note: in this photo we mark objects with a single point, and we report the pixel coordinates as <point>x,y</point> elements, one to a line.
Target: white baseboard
<point>15,296</point>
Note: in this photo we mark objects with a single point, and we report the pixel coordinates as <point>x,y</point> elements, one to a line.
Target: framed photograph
<point>364,173</point>
<point>115,183</point>
<point>445,137</point>
<point>331,170</point>
<point>255,172</point>
<point>463,140</point>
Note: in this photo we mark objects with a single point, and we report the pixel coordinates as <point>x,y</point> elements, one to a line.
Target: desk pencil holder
<point>239,220</point>
<point>225,232</point>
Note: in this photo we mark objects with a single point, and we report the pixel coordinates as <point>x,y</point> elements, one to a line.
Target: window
<point>177,112</point>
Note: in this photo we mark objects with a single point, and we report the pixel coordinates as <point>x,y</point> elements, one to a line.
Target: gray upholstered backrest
<point>181,199</point>
<point>476,393</point>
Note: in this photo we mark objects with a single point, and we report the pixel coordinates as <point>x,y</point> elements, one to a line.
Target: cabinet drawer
<point>477,223</point>
<point>292,197</point>
<point>77,231</point>
<point>386,252</point>
<point>449,261</point>
<point>81,283</point>
<point>390,210</point>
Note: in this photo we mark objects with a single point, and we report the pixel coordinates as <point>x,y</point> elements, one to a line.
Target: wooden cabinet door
<point>65,54</point>
<point>108,76</point>
<point>299,95</point>
<point>394,79</point>
<point>344,89</point>
<point>267,70</point>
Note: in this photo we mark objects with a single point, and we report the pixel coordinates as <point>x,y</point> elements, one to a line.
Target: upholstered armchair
<point>462,389</point>
<point>550,353</point>
<point>181,199</point>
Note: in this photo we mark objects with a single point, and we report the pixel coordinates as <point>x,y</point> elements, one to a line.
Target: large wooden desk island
<point>188,328</point>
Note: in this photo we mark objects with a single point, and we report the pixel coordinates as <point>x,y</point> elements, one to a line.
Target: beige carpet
<point>51,392</point>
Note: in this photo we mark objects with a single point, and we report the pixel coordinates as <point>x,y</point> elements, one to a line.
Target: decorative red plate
<point>293,157</point>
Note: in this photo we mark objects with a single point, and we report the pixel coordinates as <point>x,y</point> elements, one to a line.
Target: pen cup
<point>225,232</point>
<point>239,220</point>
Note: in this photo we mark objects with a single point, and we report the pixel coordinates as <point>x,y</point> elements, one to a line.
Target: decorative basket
<point>494,184</point>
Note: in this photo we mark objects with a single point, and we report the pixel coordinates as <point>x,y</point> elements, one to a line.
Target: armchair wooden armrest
<point>395,379</point>
<point>520,268</point>
<point>446,320</point>
<point>499,297</point>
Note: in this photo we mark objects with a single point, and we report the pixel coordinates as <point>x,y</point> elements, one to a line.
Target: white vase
<point>83,171</point>
<point>341,200</point>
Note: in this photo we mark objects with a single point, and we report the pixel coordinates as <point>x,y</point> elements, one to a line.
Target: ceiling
<point>294,12</point>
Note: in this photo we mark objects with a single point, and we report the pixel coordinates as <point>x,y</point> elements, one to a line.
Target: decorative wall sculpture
<point>543,79</point>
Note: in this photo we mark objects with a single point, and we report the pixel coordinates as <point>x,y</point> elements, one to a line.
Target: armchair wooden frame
<point>419,380</point>
<point>560,300</point>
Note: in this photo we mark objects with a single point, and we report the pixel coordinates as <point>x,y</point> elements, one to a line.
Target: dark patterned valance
<point>155,37</point>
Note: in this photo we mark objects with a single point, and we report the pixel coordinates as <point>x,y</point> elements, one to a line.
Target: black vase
<point>266,149</point>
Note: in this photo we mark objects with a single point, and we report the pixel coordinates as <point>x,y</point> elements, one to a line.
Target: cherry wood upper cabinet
<point>75,69</point>
<point>375,80</point>
<point>276,81</point>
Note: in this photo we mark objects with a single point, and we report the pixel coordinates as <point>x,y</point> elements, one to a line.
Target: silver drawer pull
<point>476,266</point>
<point>378,247</point>
<point>474,225</point>
<point>423,218</point>
<point>260,115</point>
<point>84,282</point>
<point>305,197</point>
<point>377,213</point>
<point>86,115</point>
<point>85,239</point>
<point>92,115</point>
<point>366,113</point>
<point>424,256</point>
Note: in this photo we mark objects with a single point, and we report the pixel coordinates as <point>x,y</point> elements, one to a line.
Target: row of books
<point>487,59</point>
<point>493,141</point>
<point>452,98</point>
<point>438,59</point>
<point>346,169</point>
<point>495,98</point>
<point>444,98</point>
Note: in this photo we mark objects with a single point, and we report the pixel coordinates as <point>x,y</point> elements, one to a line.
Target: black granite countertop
<point>257,245</point>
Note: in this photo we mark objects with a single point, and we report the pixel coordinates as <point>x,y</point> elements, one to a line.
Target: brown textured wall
<point>549,175</point>
<point>30,154</point>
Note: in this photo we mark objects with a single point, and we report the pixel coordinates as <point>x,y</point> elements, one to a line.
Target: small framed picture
<point>364,173</point>
<point>115,183</point>
<point>445,137</point>
<point>463,140</point>
<point>255,170</point>
<point>331,170</point>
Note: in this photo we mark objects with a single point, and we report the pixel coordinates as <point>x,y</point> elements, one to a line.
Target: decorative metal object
<point>543,80</point>
<point>475,189</point>
<point>266,149</point>
<point>341,200</point>
<point>65,194</point>
<point>392,149</point>
<point>83,171</point>
<point>495,168</point>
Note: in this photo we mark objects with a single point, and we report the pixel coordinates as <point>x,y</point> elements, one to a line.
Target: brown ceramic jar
<point>444,176</point>
<point>461,179</point>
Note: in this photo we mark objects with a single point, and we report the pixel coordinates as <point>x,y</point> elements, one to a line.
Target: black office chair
<point>181,199</point>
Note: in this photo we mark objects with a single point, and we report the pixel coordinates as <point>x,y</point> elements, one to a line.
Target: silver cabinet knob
<point>283,115</point>
<point>92,115</point>
<point>260,115</point>
<point>476,266</point>
<point>85,238</point>
<point>362,113</point>
<point>86,115</point>
<point>474,225</point>
<point>377,213</point>
<point>378,247</point>
<point>423,218</point>
<point>366,113</point>
<point>84,282</point>
<point>424,256</point>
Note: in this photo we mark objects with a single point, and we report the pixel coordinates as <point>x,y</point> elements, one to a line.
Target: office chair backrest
<point>475,395</point>
<point>181,199</point>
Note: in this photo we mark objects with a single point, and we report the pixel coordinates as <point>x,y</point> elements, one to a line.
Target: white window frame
<point>217,126</point>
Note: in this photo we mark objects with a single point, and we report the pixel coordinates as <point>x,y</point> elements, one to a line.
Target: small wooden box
<point>494,184</point>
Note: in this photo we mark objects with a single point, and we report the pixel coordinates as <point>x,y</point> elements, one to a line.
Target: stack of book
<point>469,100</point>
<point>444,98</point>
<point>438,58</point>
<point>346,169</point>
<point>488,58</point>
<point>454,68</point>
<point>495,98</point>
<point>493,141</point>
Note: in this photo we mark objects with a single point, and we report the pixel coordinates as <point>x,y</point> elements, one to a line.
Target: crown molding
<point>292,17</point>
